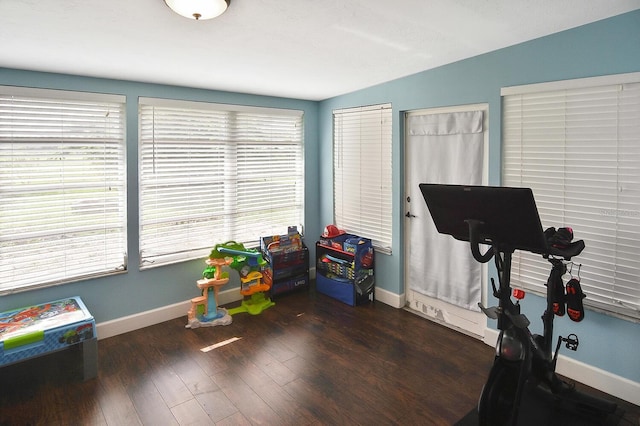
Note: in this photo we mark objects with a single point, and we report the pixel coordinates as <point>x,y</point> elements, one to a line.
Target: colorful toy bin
<point>288,262</point>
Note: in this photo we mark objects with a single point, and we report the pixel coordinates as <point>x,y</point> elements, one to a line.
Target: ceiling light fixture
<point>198,9</point>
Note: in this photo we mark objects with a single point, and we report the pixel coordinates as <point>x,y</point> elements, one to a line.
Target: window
<point>212,173</point>
<point>62,183</point>
<point>577,145</point>
<point>362,173</point>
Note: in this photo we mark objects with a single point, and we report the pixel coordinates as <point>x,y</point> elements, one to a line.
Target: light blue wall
<point>138,291</point>
<point>607,47</point>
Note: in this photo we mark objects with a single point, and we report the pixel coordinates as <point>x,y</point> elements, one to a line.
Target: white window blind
<point>212,173</point>
<point>62,187</point>
<point>362,172</point>
<point>577,145</point>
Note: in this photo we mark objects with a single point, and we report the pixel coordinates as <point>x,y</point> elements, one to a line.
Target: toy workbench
<point>42,329</point>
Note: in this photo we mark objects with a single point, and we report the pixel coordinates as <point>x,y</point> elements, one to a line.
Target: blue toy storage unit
<point>345,269</point>
<point>288,262</point>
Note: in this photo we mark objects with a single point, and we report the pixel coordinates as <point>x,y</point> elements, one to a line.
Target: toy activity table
<point>49,327</point>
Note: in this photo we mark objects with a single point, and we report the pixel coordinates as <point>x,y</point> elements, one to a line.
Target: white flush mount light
<point>198,9</point>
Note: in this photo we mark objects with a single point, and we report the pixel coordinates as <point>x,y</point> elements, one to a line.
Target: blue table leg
<point>89,350</point>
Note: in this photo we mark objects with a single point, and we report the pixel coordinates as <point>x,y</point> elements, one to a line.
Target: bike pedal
<point>571,342</point>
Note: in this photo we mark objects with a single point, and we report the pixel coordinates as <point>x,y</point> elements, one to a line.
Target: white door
<point>443,281</point>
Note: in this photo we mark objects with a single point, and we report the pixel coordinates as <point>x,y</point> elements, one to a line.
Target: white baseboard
<point>164,313</point>
<point>389,298</point>
<point>602,380</point>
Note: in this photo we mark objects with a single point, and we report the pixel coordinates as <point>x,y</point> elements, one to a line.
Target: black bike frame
<point>506,219</point>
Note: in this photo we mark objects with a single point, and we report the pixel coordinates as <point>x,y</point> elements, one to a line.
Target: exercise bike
<point>522,387</point>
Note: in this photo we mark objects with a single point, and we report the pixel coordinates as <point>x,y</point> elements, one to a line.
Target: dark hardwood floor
<point>308,360</point>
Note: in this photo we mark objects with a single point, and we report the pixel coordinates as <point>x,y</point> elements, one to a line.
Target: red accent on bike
<point>518,294</point>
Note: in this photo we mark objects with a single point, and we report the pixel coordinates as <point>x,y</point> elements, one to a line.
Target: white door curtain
<point>445,148</point>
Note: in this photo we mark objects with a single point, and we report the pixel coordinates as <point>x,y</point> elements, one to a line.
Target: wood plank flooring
<point>309,360</point>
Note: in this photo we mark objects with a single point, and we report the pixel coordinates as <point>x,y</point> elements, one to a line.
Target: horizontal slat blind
<point>579,151</point>
<point>62,183</point>
<point>362,173</point>
<point>213,173</point>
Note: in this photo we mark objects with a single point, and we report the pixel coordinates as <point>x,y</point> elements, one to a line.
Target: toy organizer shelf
<point>345,270</point>
<point>287,270</point>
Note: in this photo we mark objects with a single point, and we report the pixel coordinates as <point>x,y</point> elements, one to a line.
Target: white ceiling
<point>305,49</point>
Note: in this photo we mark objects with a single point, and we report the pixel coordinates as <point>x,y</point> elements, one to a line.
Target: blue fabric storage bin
<point>342,291</point>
